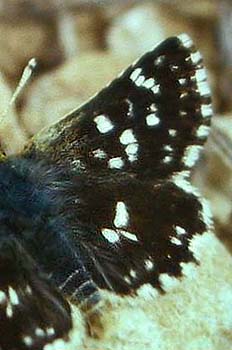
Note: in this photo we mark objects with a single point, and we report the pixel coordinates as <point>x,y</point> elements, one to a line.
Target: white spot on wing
<point>185,40</point>
<point>196,57</point>
<point>156,89</point>
<point>168,148</point>
<point>50,331</point>
<point>128,235</point>
<point>116,163</point>
<point>152,120</point>
<point>122,216</point>
<point>110,235</point>
<point>149,265</point>
<point>182,81</point>
<point>203,88</point>
<point>132,151</point>
<point>181,180</point>
<point>191,155</point>
<point>176,241</point>
<point>200,75</point>
<point>133,273</point>
<point>202,131</point>
<point>167,159</point>
<point>180,230</point>
<point>13,296</point>
<point>127,280</point>
<point>2,297</point>
<point>135,74</point>
<point>127,137</point>
<point>103,123</point>
<point>9,310</point>
<point>140,80</point>
<point>149,83</point>
<point>172,132</point>
<point>159,60</point>
<point>39,332</point>
<point>27,340</point>
<point>206,110</point>
<point>99,153</point>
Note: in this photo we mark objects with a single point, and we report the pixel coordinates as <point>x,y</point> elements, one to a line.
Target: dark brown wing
<point>32,311</point>
<point>130,150</point>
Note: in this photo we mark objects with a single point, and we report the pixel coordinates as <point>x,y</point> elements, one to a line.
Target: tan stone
<point>55,94</point>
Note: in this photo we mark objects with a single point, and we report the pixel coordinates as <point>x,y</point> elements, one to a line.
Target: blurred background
<point>81,45</point>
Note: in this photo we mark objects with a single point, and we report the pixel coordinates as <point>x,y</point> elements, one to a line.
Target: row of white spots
<point>191,155</point>
<point>12,301</point>
<point>113,235</point>
<point>135,74</point>
<point>140,80</point>
<point>181,180</point>
<point>103,123</point>
<point>129,140</point>
<point>167,158</point>
<point>113,163</point>
<point>152,119</point>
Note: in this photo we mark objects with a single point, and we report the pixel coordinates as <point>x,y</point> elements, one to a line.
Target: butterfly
<point>102,200</point>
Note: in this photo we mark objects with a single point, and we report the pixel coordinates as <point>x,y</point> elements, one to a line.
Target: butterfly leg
<point>86,295</point>
<point>74,281</point>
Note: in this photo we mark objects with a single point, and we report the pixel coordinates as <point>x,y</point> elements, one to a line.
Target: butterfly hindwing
<point>32,312</point>
<point>129,151</point>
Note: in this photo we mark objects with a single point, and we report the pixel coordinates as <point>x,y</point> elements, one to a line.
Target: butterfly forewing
<point>150,122</point>
<point>130,149</point>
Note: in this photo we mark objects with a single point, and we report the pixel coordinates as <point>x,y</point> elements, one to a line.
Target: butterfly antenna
<point>26,76</point>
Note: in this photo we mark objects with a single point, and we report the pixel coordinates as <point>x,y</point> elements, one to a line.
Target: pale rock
<point>56,93</point>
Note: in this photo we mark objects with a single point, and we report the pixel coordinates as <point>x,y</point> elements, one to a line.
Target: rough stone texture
<point>68,87</point>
